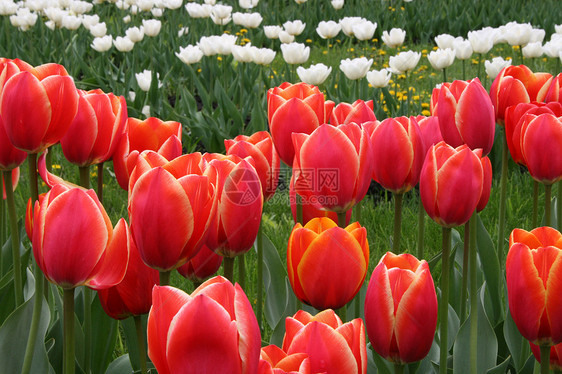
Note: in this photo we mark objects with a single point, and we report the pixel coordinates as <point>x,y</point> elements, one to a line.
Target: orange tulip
<point>327,264</point>
<point>359,112</point>
<point>213,330</point>
<point>401,308</point>
<point>533,263</point>
<point>273,360</point>
<point>554,93</point>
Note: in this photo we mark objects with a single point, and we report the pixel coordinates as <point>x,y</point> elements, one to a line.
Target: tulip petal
<point>554,298</point>
<point>541,148</point>
<point>379,311</point>
<point>78,141</point>
<point>354,333</point>
<point>64,105</point>
<point>249,336</point>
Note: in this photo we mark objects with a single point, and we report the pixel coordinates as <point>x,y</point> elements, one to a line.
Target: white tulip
<point>23,19</point>
<point>463,49</point>
<point>337,4</point>
<point>518,33</point>
<point>157,12</point>
<point>144,79</point>
<point>315,74</point>
<point>558,29</point>
<point>145,5</point>
<point>364,30</point>
<point>444,41</point>
<point>70,22</point>
<point>295,27</point>
<point>146,111</point>
<point>123,44</point>
<point>220,21</point>
<point>98,30</point>
<point>207,44</point>
<point>198,10</point>
<point>183,31</point>
<point>300,1</point>
<point>243,53</point>
<point>247,4</point>
<point>51,25</point>
<point>295,53</point>
<point>480,41</point>
<point>89,21</point>
<point>328,29</point>
<point>247,20</point>
<point>221,11</point>
<point>55,14</point>
<point>173,4</point>
<point>190,54</point>
<point>404,62</point>
<point>272,32</point>
<point>151,27</point>
<point>553,47</point>
<point>263,56</point>
<point>8,8</point>
<point>127,19</point>
<point>225,44</point>
<point>285,37</point>
<point>394,38</point>
<point>441,58</point>
<point>210,2</point>
<point>123,5</point>
<point>532,50</point>
<point>355,68</point>
<point>379,78</point>
<point>494,67</point>
<point>347,24</point>
<point>102,44</point>
<point>80,7</point>
<point>537,35</point>
<point>136,34</point>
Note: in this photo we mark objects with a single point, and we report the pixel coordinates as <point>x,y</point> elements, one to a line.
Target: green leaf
<point>130,331</point>
<point>487,345</point>
<point>517,344</point>
<point>13,339</point>
<point>120,365</point>
<point>383,366</point>
<point>103,339</point>
<point>274,279</point>
<point>501,368</point>
<point>229,111</point>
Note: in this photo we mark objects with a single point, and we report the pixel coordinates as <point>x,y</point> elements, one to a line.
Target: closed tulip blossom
<point>379,78</point>
<point>346,352</point>
<point>315,74</point>
<point>294,27</point>
<point>480,41</point>
<point>555,90</point>
<point>401,308</point>
<point>295,53</point>
<point>494,67</point>
<point>328,29</point>
<point>429,127</point>
<point>393,38</point>
<point>532,50</point>
<point>190,54</point>
<point>272,32</point>
<point>355,68</point>
<point>123,44</point>
<point>364,30</point>
<point>444,41</point>
<point>404,62</point>
<point>441,58</point>
<point>248,4</point>
<point>349,164</point>
<point>248,20</point>
<point>359,112</point>
<point>102,44</point>
<point>532,288</point>
<point>337,4</point>
<point>273,360</point>
<point>292,108</point>
<point>466,115</point>
<point>327,264</point>
<point>198,10</point>
<point>214,330</point>
<point>463,49</point>
<point>450,175</point>
<point>263,56</point>
<point>285,37</point>
<point>348,22</point>
<point>204,265</point>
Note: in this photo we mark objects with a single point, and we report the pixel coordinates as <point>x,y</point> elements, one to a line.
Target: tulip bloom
<point>466,115</point>
<point>334,163</point>
<point>213,330</point>
<point>517,84</point>
<point>398,153</point>
<point>273,360</point>
<point>133,296</point>
<point>98,126</point>
<point>327,264</point>
<point>555,90</point>
<point>38,106</point>
<point>293,108</point>
<point>345,350</point>
<point>359,112</point>
<point>431,133</point>
<point>239,204</point>
<point>61,222</point>
<point>450,175</point>
<point>151,134</point>
<point>260,147</point>
<point>533,287</point>
<point>202,266</point>
<point>401,308</point>
<point>171,208</point>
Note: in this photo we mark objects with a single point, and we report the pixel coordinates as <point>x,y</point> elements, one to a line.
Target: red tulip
<point>327,264</point>
<point>555,356</point>
<point>533,263</point>
<point>61,222</point>
<point>171,208</point>
<point>450,175</point>
<point>133,296</point>
<point>239,204</point>
<point>541,139</point>
<point>401,308</point>
<point>517,84</point>
<point>205,264</point>
<point>98,126</point>
<point>335,163</point>
<point>486,183</point>
<point>431,133</point>
<point>151,134</point>
<point>466,115</point>
<point>260,147</point>
<point>359,112</point>
<point>399,151</point>
<point>298,108</point>
<point>38,106</point>
<point>555,90</point>
<point>213,330</point>
<point>343,348</point>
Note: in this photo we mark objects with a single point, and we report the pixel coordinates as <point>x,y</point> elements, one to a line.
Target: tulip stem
<point>299,209</point>
<point>68,342</point>
<point>85,176</point>
<point>38,275</point>
<point>357,211</point>
<point>14,235</point>
<point>466,248</point>
<point>547,199</point>
<point>444,75</point>
<point>463,70</point>
<point>341,219</point>
<point>242,271</point>
<point>165,278</point>
<point>342,313</point>
<point>444,304</point>
<point>535,203</point>
<point>545,359</point>
<point>259,242</point>
<point>228,267</point>
<point>398,368</point>
<point>503,192</point>
<point>421,229</point>
<point>141,344</point>
<point>2,235</point>
<point>100,182</point>
<point>397,222</point>
<point>480,66</point>
<point>473,296</point>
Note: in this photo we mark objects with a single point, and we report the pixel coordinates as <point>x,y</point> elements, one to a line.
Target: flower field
<point>343,186</point>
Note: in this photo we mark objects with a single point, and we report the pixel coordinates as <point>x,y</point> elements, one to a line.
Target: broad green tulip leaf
<point>517,344</point>
<point>130,331</point>
<point>501,368</point>
<point>13,339</point>
<point>120,365</point>
<point>276,295</point>
<point>103,339</point>
<point>487,345</point>
<point>530,365</point>
<point>201,90</point>
<point>383,366</point>
<point>7,296</point>
<point>492,272</point>
<point>229,110</point>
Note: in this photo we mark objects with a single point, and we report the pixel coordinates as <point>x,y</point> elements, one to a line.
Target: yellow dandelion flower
<point>336,85</point>
<point>425,105</point>
<point>324,52</point>
<point>351,49</point>
<point>309,40</point>
<point>416,97</point>
<point>426,112</point>
<point>243,31</point>
<point>219,58</point>
<point>56,166</point>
